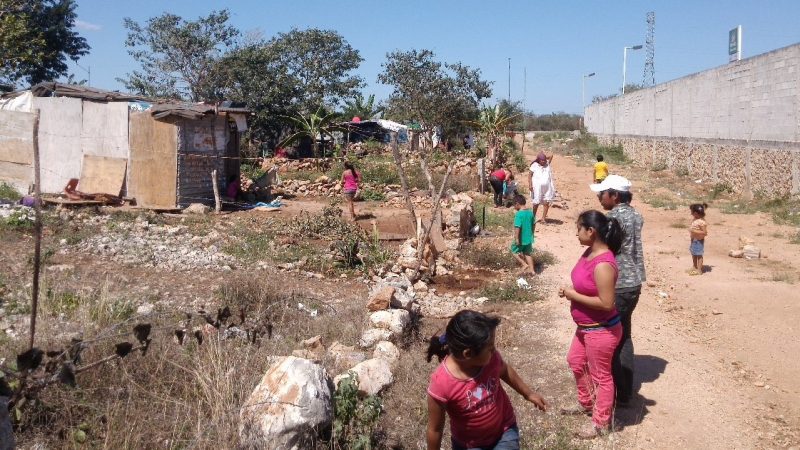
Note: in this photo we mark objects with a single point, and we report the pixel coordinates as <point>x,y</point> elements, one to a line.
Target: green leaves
<point>36,38</point>
<point>431,92</point>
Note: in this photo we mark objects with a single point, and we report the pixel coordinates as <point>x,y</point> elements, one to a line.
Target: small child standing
<point>522,247</point>
<point>697,236</point>
<point>600,170</point>
<point>466,386</point>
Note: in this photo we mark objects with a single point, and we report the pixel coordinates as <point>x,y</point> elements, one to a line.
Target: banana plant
<point>361,107</point>
<point>492,124</point>
<point>319,123</point>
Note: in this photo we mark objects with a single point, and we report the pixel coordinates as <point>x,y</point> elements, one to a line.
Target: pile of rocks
<point>162,246</point>
<point>747,249</point>
<point>424,300</point>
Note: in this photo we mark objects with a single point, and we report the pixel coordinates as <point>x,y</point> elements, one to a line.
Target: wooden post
<point>437,203</point>
<point>482,175</point>
<point>398,159</point>
<point>217,202</point>
<point>37,226</point>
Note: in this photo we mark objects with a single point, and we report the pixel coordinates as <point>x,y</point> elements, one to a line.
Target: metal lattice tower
<point>649,77</point>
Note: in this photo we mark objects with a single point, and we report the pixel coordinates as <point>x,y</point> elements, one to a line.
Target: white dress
<point>542,189</point>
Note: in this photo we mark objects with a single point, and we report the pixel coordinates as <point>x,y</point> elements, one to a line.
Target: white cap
<point>614,182</point>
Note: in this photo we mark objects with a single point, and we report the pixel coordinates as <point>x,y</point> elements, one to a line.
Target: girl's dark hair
<point>608,229</point>
<point>599,158</point>
<point>467,330</point>
<point>349,166</point>
<point>698,208</point>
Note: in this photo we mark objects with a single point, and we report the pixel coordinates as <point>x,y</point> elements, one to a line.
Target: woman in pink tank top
<point>598,332</point>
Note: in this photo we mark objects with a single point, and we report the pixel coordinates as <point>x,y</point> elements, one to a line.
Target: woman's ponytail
<point>608,230</point>
<point>612,235</point>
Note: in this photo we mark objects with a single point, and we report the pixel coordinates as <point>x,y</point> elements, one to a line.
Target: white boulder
<point>374,375</point>
<point>290,404</point>
<point>388,351</point>
<point>372,336</point>
<point>394,320</point>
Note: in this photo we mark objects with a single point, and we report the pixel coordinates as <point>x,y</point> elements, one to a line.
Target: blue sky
<point>555,41</point>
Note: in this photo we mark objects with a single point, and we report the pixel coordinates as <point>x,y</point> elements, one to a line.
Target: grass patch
<point>783,277</point>
<point>662,201</point>
<point>496,219</point>
<point>371,195</point>
<point>795,239</point>
<point>509,292</point>
<point>659,166</point>
<point>784,210</point>
<point>180,396</point>
<point>679,224</point>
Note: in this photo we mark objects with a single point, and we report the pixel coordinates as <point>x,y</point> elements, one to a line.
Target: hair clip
<point>443,339</point>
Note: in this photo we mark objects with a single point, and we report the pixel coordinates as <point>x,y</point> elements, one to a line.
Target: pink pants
<point>589,358</point>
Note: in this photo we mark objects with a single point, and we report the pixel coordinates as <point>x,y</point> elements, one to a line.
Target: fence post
<point>37,226</point>
<point>217,203</point>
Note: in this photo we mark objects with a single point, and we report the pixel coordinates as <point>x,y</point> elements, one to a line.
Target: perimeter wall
<point>738,124</point>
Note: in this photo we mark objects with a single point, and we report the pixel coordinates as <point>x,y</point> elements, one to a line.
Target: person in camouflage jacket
<point>615,197</point>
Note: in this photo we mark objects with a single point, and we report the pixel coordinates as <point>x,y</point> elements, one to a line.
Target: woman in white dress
<point>541,185</point>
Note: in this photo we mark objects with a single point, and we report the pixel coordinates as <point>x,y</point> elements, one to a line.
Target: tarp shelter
<point>164,152</point>
<point>379,130</point>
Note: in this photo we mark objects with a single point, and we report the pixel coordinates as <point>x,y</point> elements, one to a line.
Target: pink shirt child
<point>479,408</point>
<point>350,181</point>
<point>583,283</point>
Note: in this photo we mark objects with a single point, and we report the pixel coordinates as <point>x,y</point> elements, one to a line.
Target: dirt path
<point>713,353</point>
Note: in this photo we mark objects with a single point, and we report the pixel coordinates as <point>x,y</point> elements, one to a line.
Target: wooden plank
<point>154,162</point>
<point>102,175</point>
<point>436,234</point>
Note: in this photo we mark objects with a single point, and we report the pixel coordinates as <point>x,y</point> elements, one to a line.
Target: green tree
<point>361,107</point>
<point>36,38</point>
<point>431,92</point>
<point>178,57</point>
<point>321,62</point>
<point>317,124</point>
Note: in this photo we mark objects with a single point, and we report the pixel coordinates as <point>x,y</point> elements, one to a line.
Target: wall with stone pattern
<point>738,123</point>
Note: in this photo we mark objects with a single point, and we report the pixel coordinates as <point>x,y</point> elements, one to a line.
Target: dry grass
<point>176,396</point>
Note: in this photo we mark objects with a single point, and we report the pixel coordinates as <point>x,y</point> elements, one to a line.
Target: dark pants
<point>508,441</point>
<point>622,364</point>
<point>497,187</point>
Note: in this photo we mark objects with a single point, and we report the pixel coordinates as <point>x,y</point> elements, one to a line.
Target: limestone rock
<point>372,336</point>
<point>381,299</point>
<point>345,356</point>
<point>196,208</point>
<point>751,252</point>
<point>374,375</point>
<point>420,286</point>
<point>394,320</point>
<point>289,405</point>
<point>402,300</point>
<point>387,351</point>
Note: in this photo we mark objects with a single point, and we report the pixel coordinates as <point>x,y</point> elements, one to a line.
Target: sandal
<point>576,410</point>
<point>694,272</point>
<point>591,431</point>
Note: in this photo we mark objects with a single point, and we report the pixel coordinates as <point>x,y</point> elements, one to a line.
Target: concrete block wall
<point>757,167</point>
<point>740,117</point>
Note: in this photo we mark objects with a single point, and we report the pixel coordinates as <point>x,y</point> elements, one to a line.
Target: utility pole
<point>625,63</point>
<point>509,80</point>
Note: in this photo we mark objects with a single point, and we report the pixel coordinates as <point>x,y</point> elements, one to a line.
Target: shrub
<point>8,192</point>
<point>509,291</point>
<point>354,419</point>
<point>368,194</point>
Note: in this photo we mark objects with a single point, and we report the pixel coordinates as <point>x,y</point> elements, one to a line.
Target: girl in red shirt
<point>467,387</point>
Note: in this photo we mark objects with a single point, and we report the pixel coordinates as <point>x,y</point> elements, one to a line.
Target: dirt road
<point>716,355</point>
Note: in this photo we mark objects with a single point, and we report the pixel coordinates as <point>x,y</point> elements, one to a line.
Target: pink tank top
<point>350,182</point>
<point>583,283</point>
<point>500,174</point>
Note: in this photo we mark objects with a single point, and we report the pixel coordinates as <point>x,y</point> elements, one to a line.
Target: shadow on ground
<point>648,369</point>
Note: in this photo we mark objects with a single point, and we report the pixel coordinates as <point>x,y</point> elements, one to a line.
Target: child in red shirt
<point>467,387</point>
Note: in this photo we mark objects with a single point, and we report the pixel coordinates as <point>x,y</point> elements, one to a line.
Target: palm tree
<point>492,124</point>
<point>320,123</point>
<point>359,107</point>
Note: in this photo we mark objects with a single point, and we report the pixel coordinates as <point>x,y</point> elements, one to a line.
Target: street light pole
<point>625,63</point>
<point>583,89</point>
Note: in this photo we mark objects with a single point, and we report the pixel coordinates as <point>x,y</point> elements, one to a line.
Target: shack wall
<point>60,155</point>
<point>16,149</point>
<point>201,148</point>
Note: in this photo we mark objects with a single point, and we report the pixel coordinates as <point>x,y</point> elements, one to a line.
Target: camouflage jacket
<point>630,258</point>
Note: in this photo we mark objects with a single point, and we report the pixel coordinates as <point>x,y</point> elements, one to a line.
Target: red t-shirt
<point>500,174</point>
<point>583,283</point>
<point>479,408</point>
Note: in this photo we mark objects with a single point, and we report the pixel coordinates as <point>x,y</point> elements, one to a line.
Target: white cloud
<point>87,26</point>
